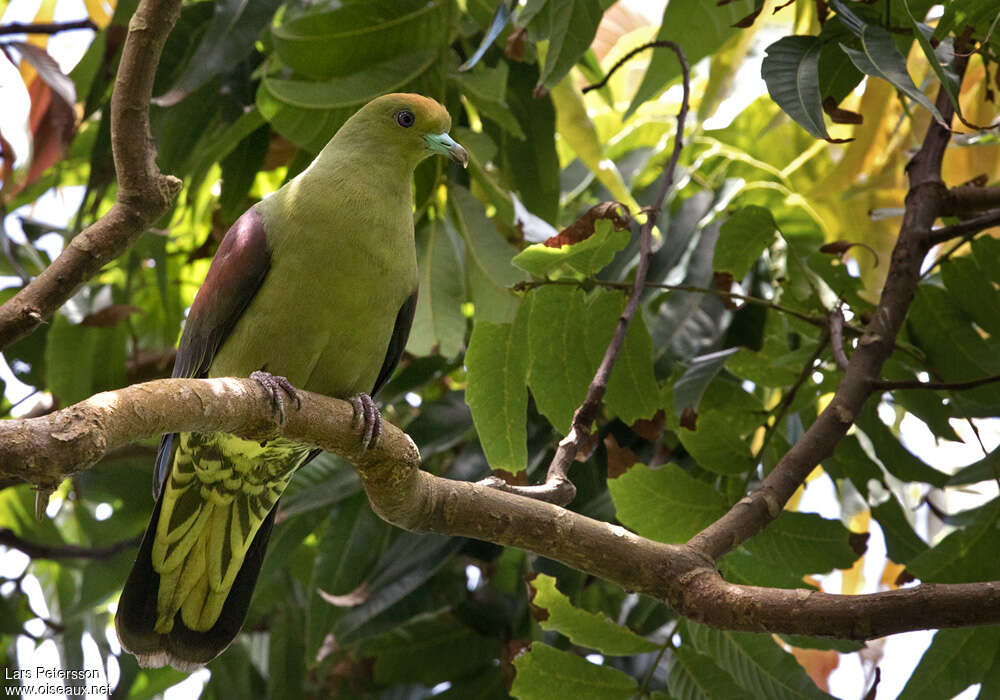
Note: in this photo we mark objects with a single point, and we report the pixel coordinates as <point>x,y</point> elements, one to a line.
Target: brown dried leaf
<point>514,49</point>
<point>537,612</point>
<point>583,228</point>
<point>858,542</point>
<point>650,430</point>
<point>519,479</point>
<point>620,459</point>
<point>840,116</point>
<point>689,418</point>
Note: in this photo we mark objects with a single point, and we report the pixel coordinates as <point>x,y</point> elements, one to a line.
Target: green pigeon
<point>314,287</point>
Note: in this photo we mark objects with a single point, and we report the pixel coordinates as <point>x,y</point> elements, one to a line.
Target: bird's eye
<point>405,118</point>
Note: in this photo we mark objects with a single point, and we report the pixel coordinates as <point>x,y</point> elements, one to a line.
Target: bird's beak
<point>447,146</point>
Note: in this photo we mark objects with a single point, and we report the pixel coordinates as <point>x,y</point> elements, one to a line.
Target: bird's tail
<point>190,588</point>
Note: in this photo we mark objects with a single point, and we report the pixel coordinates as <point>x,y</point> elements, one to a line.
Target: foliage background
<point>248,94</point>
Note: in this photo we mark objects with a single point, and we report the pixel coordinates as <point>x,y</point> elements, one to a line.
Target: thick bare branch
<point>43,448</point>
<point>924,202</point>
<point>143,192</point>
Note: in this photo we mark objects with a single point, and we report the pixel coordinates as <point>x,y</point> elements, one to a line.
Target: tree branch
<point>557,487</point>
<point>969,227</point>
<point>966,198</point>
<point>936,386</point>
<point>143,192</point>
<point>36,550</point>
<point>924,202</point>
<point>42,449</point>
<point>47,27</point>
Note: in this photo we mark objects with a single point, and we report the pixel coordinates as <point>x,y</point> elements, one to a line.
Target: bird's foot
<point>367,419</point>
<point>277,388</point>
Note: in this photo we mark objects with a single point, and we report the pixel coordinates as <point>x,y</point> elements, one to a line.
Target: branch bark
<point>37,550</point>
<point>926,200</point>
<point>44,449</point>
<point>143,192</point>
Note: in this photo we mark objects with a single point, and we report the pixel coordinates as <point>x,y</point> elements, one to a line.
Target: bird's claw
<point>367,419</point>
<point>277,388</point>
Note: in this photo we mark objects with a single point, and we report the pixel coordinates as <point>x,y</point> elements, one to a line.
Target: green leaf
<point>84,360</point>
<point>850,461</point>
<point>572,26</point>
<point>486,88</point>
<point>582,627</point>
<point>692,675</point>
<point>901,542</point>
<point>706,27</point>
<point>665,504</point>
<point>488,259</point>
<point>586,257</point>
<point>804,543</point>
<point>544,673</point>
<point>791,71</point>
<point>715,445</point>
<point>409,562</point>
<point>348,548</point>
<point>972,286</point>
<point>286,653</point>
<point>964,556</point>
<point>559,370</point>
<point>496,391</point>
<point>531,164</point>
<point>945,74</point>
<point>632,391</point>
<point>880,58</point>
<point>308,113</point>
<point>346,41</point>
<point>438,321</point>
<point>691,385</point>
<point>896,459</point>
<point>756,662</point>
<point>984,470</point>
<point>227,40</point>
<point>955,660</point>
<point>429,649</point>
<point>742,239</point>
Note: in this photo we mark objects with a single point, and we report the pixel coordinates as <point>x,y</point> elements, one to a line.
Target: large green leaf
<point>632,391</point>
<point>665,504</point>
<point>544,673</point>
<point>791,71</point>
<point>696,676</point>
<point>438,321</point>
<point>715,445</point>
<point>585,257</point>
<point>310,112</point>
<point>742,239</point>
<point>347,40</point>
<point>700,28</point>
<point>497,394</point>
<point>582,627</point>
<point>756,662</point>
<point>955,660</point>
<point>691,386</point>
<point>572,25</point>
<point>348,548</point>
<point>559,371</point>
<point>83,360</point>
<point>902,544</point>
<point>896,459</point>
<point>965,555</point>
<point>228,40</point>
<point>429,649</point>
<point>488,259</point>
<point>803,543</point>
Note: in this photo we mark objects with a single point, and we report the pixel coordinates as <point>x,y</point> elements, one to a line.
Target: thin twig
<point>47,27</point>
<point>37,550</point>
<point>557,487</point>
<point>836,320</point>
<point>883,385</point>
<point>969,227</point>
<point>625,59</point>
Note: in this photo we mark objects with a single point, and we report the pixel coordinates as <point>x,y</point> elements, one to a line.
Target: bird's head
<point>412,125</point>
